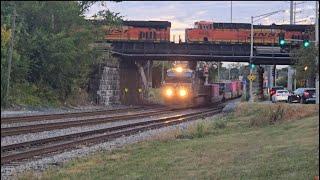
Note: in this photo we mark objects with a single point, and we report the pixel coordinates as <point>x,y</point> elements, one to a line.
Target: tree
<point>51,43</point>
<point>306,57</point>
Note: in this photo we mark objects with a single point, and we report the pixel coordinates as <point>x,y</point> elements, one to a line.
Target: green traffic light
<point>282,42</point>
<point>306,44</point>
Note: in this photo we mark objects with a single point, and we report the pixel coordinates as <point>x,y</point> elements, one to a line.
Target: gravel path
<point>9,172</point>
<point>7,140</point>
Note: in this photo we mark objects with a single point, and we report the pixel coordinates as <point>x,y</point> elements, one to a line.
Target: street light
<point>251,46</point>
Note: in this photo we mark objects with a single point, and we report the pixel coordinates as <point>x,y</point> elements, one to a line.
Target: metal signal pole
<point>290,69</point>
<point>317,58</point>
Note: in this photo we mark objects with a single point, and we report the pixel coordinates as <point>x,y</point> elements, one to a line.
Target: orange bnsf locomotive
<point>239,33</point>
<point>205,32</point>
<point>157,31</point>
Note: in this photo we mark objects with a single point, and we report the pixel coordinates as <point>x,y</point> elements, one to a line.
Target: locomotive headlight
<point>182,92</point>
<point>179,69</point>
<point>169,92</point>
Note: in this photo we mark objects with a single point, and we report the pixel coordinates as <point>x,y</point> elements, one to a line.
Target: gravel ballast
<point>7,140</point>
<point>46,111</point>
<point>9,172</point>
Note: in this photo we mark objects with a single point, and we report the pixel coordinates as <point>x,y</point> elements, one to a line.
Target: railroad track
<point>9,131</point>
<point>20,151</point>
<point>31,118</point>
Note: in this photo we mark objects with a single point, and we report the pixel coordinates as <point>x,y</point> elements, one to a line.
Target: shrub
<point>198,130</point>
<point>267,114</point>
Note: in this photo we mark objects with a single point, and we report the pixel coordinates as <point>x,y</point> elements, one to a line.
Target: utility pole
<point>290,69</point>
<point>294,13</point>
<point>317,58</point>
<point>251,58</point>
<point>11,51</point>
<point>231,11</point>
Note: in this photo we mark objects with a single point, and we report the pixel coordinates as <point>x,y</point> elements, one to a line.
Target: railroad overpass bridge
<point>135,58</point>
<point>159,51</point>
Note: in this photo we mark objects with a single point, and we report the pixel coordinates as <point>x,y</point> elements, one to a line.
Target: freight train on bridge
<point>210,32</point>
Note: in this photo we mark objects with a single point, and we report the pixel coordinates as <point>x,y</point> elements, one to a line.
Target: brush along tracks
<point>27,150</point>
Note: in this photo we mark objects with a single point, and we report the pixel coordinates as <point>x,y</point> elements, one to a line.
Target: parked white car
<point>280,95</point>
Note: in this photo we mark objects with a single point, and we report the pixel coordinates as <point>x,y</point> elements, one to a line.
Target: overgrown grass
<point>266,114</point>
<point>228,147</point>
<point>155,95</point>
<point>32,96</point>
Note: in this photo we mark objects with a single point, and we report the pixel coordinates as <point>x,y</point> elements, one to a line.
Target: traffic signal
<point>252,66</point>
<point>282,41</point>
<point>306,43</point>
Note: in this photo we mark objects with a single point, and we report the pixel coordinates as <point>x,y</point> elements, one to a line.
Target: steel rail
<point>63,115</point>
<point>104,134</point>
<point>58,116</point>
<point>10,131</point>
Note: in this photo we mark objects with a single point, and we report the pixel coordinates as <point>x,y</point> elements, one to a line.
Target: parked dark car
<point>303,95</point>
<point>273,90</point>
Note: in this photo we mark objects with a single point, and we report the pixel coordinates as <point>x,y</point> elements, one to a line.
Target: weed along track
<point>38,148</point>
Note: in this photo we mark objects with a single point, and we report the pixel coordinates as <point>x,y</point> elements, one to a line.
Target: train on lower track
<point>186,87</point>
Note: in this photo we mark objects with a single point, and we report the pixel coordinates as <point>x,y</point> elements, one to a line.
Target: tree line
<point>51,55</point>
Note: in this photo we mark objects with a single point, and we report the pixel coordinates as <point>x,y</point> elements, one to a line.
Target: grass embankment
<point>32,96</point>
<point>154,95</point>
<point>254,142</point>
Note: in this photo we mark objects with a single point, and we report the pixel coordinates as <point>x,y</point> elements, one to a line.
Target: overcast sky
<point>183,14</point>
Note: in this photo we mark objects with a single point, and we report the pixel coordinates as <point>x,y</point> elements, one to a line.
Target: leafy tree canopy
<point>51,44</point>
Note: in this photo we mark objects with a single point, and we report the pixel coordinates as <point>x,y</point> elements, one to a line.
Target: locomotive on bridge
<point>186,87</point>
<point>240,33</point>
<point>157,31</point>
<point>209,32</point>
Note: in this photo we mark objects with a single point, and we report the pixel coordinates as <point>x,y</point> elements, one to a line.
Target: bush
<point>268,114</point>
<point>195,131</point>
<point>31,95</point>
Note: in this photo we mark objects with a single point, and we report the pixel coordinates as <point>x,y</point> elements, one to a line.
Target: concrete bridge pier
<point>145,76</point>
<point>149,73</point>
<point>130,83</point>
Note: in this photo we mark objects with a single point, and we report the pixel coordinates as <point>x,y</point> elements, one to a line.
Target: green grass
<point>227,148</point>
<point>33,96</point>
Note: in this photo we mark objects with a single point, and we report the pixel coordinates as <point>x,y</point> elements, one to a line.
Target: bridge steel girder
<point>263,60</point>
<point>195,52</point>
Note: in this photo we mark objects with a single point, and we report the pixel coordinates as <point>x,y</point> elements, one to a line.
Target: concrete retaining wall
<point>109,86</point>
